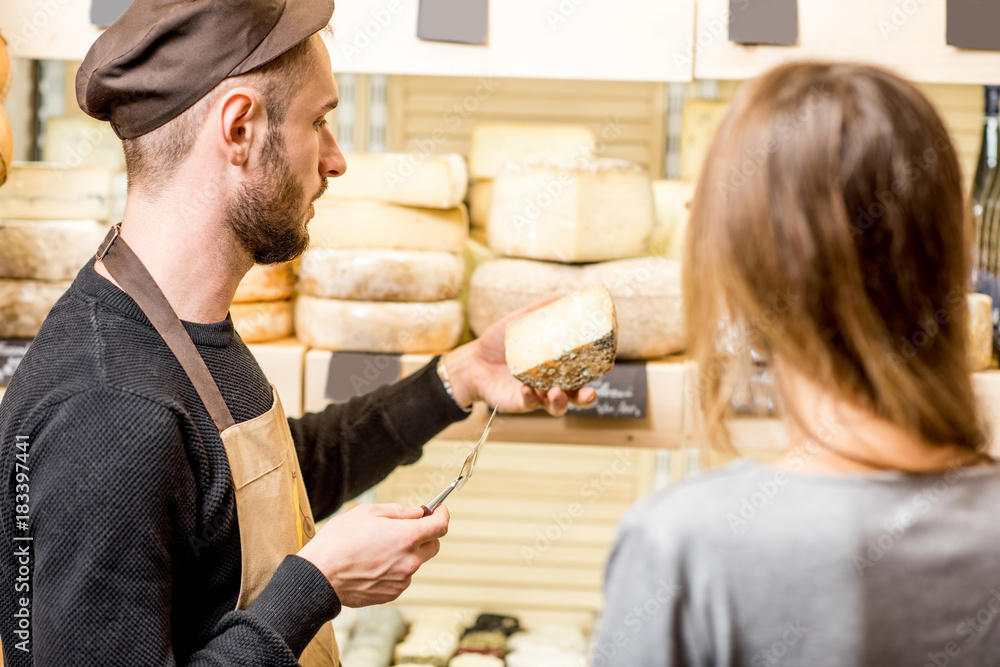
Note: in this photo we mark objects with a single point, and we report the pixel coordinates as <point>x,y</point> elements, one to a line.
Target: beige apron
<point>274,515</point>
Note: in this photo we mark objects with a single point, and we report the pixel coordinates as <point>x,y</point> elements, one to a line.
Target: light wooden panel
<point>436,114</point>
<point>632,40</point>
<point>530,531</point>
<point>910,40</point>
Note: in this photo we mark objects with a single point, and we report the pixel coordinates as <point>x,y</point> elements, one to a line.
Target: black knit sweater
<point>134,556</point>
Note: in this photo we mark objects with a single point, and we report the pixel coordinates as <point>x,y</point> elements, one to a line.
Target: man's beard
<point>266,214</point>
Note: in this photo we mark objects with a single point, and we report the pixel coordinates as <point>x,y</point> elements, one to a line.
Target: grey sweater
<point>749,565</point>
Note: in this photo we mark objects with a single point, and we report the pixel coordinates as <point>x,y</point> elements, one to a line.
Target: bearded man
<point>158,505</point>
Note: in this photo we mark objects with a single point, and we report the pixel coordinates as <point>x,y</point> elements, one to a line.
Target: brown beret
<point>162,56</point>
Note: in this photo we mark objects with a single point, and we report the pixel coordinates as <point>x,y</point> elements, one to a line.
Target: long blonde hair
<point>829,226</point>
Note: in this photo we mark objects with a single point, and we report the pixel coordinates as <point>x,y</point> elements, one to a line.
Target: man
<point>153,512</point>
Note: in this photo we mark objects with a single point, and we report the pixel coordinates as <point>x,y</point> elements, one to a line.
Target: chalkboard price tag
<point>764,22</point>
<point>463,21</point>
<point>105,12</point>
<point>973,24</point>
<point>356,373</point>
<point>12,350</point>
<point>623,393</point>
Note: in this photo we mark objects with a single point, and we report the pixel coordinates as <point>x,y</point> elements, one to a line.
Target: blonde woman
<point>828,229</point>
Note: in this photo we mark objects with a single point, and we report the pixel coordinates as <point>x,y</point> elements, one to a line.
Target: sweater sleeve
<point>348,448</point>
<point>110,501</point>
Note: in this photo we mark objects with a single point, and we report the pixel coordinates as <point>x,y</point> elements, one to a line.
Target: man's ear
<point>242,118</point>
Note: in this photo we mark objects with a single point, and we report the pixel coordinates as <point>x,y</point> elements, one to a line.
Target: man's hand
<point>479,372</point>
<point>369,553</point>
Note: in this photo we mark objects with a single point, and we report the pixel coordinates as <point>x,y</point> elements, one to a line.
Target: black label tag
<point>622,393</point>
<point>356,373</point>
<point>974,24</point>
<point>764,22</point>
<point>12,350</point>
<point>464,21</point>
<point>105,12</point>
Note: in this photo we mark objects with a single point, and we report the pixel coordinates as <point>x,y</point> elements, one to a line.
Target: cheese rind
<point>369,224</point>
<point>272,282</point>
<point>479,202</point>
<point>410,179</point>
<point>42,191</point>
<point>671,199</point>
<point>646,291</point>
<point>6,72</point>
<point>263,321</point>
<point>381,275</point>
<point>47,249</point>
<point>24,305</point>
<point>600,210</point>
<point>494,145</point>
<point>6,146</point>
<point>564,344</point>
<point>373,326</point>
<point>980,331</point>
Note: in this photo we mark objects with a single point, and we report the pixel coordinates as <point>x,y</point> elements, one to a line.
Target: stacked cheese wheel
<point>6,134</point>
<point>591,221</point>
<point>262,307</point>
<point>385,264</point>
<point>52,220</point>
<point>494,145</point>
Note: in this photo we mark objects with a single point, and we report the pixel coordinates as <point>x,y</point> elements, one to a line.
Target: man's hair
<point>154,158</point>
<point>829,225</point>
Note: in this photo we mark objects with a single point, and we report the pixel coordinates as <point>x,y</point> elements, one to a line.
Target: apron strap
<point>127,269</point>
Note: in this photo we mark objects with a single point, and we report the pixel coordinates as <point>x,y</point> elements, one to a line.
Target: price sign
<point>973,24</point>
<point>11,352</point>
<point>764,22</point>
<point>356,373</point>
<point>622,393</point>
<point>464,21</point>
<point>105,12</point>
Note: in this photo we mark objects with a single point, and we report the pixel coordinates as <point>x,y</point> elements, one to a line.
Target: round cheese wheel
<point>382,275</point>
<point>264,321</point>
<point>272,282</point>
<point>646,292</point>
<point>6,146</point>
<point>6,72</point>
<point>980,331</point>
<point>24,305</point>
<point>47,249</point>
<point>372,326</point>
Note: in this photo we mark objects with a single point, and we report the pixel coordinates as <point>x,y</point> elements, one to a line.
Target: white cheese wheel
<point>372,326</point>
<point>671,199</point>
<point>272,282</point>
<point>646,292</point>
<point>6,146</point>
<point>264,321</point>
<point>42,191</point>
<point>479,202</point>
<point>564,344</point>
<point>411,179</point>
<point>381,275</point>
<point>980,331</point>
<point>82,141</point>
<point>369,224</point>
<point>582,212</point>
<point>24,304</point>
<point>48,249</point>
<point>475,660</point>
<point>494,145</point>
<point>6,72</point>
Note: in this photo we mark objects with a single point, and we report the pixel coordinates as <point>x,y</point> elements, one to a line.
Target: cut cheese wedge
<point>646,292</point>
<point>494,145</point>
<point>980,331</point>
<point>671,199</point>
<point>564,344</point>
<point>595,211</point>
<point>24,305</point>
<point>368,224</point>
<point>264,321</point>
<point>48,249</point>
<point>272,282</point>
<point>42,191</point>
<point>381,275</point>
<point>411,179</point>
<point>372,326</point>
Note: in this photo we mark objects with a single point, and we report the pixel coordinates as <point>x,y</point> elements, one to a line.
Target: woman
<point>828,229</point>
